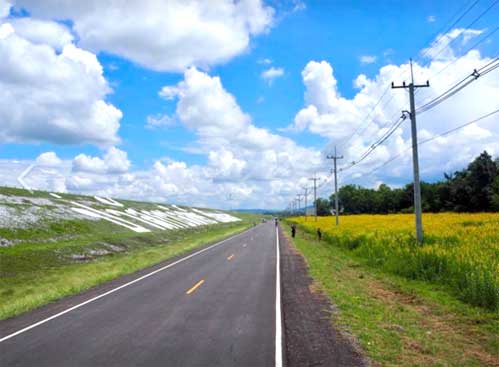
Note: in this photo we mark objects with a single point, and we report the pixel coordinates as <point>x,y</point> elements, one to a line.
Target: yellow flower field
<point>460,250</point>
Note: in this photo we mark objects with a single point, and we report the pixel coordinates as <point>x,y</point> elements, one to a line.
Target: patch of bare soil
<point>311,338</point>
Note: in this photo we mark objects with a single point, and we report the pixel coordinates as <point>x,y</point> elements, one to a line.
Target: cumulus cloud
<point>114,161</point>
<point>48,159</point>
<point>242,158</point>
<point>49,95</point>
<point>162,35</point>
<point>42,32</point>
<point>361,120</point>
<point>271,74</point>
<point>226,165</point>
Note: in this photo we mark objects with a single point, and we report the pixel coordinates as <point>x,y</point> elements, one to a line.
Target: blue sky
<point>337,32</point>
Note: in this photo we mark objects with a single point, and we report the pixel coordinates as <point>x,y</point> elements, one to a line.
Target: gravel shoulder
<point>310,336</point>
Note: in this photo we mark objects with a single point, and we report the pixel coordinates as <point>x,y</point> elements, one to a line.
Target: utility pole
<point>335,158</point>
<point>315,179</point>
<point>415,158</point>
<point>306,197</point>
<point>298,196</point>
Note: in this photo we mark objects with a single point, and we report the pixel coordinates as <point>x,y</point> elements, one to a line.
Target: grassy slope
<point>43,268</point>
<point>397,321</point>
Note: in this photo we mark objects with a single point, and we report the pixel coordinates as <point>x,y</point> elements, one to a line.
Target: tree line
<point>473,189</point>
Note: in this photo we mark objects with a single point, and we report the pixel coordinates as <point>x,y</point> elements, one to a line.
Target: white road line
<point>116,289</point>
<point>278,314</point>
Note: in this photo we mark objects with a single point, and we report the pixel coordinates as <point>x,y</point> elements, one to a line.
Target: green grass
<point>398,321</point>
<point>41,268</point>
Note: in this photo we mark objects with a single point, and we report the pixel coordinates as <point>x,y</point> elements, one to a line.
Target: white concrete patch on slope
<point>108,201</point>
<point>111,218</point>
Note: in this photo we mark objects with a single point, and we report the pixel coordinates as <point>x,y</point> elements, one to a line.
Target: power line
<point>440,36</point>
<point>481,40</point>
<point>465,28</point>
<point>463,83</point>
<point>379,142</point>
<point>368,115</point>
<point>443,33</point>
<point>445,133</point>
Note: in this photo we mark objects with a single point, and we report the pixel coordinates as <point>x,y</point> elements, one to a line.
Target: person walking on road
<point>293,230</point>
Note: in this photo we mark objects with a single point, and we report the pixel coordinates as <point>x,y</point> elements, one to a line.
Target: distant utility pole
<point>315,179</point>
<point>229,199</point>
<point>335,158</point>
<point>415,158</point>
<point>298,196</point>
<point>306,197</point>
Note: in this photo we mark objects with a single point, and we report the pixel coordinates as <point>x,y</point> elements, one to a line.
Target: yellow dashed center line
<point>196,286</point>
<point>230,257</point>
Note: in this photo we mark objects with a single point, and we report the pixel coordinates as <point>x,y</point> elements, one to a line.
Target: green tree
<point>323,207</point>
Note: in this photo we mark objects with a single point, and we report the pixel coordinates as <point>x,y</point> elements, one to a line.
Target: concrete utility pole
<point>306,198</point>
<point>335,158</point>
<point>415,158</point>
<point>315,179</point>
<point>298,196</point>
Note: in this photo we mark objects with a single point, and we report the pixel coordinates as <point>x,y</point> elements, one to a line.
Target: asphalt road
<point>215,308</point>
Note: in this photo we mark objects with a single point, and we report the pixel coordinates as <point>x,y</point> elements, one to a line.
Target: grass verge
<point>400,322</point>
<point>33,274</point>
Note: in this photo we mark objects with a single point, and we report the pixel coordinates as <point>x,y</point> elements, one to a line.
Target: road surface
<point>217,307</point>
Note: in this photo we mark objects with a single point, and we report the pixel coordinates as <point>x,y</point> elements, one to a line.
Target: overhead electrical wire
<point>463,83</point>
<point>490,66</point>
<point>462,30</point>
<point>445,133</point>
<point>454,89</point>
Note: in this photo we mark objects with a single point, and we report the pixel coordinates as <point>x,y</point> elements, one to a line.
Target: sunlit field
<point>460,251</point>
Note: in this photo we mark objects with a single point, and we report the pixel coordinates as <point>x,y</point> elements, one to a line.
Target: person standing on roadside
<point>293,230</point>
<point>319,234</point>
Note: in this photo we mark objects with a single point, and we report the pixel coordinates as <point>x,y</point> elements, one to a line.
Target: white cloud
<point>445,45</point>
<point>114,161</point>
<point>162,35</point>
<point>225,164</point>
<point>431,19</point>
<point>327,113</point>
<point>242,159</point>
<point>48,159</point>
<point>299,5</point>
<point>271,74</point>
<point>264,61</point>
<point>42,32</point>
<point>52,96</point>
<point>4,8</point>
<point>367,59</point>
<point>157,121</point>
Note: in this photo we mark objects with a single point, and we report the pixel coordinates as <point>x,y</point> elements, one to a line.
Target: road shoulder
<point>310,336</point>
